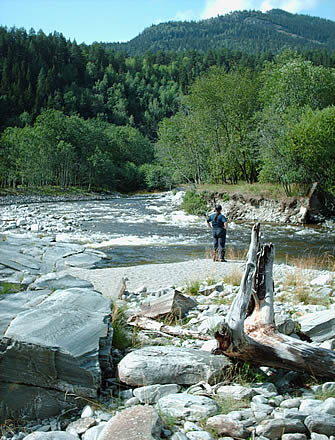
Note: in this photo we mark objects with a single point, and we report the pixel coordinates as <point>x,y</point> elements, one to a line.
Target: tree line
<point>71,151</point>
<point>89,116</point>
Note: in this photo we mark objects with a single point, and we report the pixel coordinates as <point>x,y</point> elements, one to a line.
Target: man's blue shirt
<point>219,222</point>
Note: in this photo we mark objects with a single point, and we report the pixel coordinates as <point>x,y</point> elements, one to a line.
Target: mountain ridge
<point>247,31</point>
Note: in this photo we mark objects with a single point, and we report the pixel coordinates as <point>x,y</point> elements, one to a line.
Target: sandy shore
<point>154,276</point>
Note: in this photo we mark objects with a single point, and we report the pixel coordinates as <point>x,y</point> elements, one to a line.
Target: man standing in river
<point>219,224</point>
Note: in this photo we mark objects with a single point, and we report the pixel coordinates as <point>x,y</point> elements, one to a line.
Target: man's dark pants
<point>219,242</point>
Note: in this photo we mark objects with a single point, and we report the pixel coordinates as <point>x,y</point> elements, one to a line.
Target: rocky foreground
<point>65,373</point>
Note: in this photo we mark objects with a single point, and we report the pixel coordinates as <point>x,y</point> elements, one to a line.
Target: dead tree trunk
<point>250,335</point>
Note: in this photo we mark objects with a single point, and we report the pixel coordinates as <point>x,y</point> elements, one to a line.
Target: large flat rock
<point>36,256</point>
<point>13,304</point>
<point>319,326</point>
<point>167,364</point>
<point>50,345</point>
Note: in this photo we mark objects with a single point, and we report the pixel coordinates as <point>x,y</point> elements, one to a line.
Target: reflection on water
<point>151,229</point>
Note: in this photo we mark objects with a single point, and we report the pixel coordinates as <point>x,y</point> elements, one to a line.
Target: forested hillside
<point>47,71</point>
<point>89,116</point>
<point>247,31</point>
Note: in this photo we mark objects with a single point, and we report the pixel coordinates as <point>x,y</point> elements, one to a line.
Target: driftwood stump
<point>249,333</point>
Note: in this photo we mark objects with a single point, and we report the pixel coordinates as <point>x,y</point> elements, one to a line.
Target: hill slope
<point>247,31</point>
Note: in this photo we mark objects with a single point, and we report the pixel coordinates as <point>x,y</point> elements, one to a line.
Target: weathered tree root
<point>250,334</point>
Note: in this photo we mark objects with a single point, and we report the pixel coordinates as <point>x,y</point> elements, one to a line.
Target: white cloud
<point>294,6</point>
<point>185,15</point>
<point>221,7</point>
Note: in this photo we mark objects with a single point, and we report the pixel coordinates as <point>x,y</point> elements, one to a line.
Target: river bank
<point>316,208</point>
<point>28,198</point>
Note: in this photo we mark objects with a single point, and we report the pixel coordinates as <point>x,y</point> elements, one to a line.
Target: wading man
<point>219,224</point>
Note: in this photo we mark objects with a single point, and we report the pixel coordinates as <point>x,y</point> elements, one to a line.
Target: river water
<point>144,229</point>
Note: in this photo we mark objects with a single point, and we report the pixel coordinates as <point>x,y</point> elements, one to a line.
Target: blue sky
<point>121,20</point>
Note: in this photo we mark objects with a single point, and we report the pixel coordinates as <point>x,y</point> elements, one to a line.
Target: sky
<point>86,21</point>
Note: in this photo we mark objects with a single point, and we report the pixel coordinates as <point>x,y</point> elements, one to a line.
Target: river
<point>144,229</point>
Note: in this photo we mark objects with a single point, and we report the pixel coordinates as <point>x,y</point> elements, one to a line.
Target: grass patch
<point>122,337</point>
<point>236,254</point>
<point>324,261</point>
<point>299,292</point>
<point>192,287</point>
<point>243,373</point>
<point>12,426</point>
<point>234,277</point>
<point>6,288</point>
<point>305,296</point>
<point>169,422</point>
<point>222,301</point>
<point>172,318</point>
<point>210,281</point>
<point>325,394</point>
<point>265,190</point>
<point>227,404</point>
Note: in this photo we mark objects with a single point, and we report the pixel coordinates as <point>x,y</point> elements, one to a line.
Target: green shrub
<point>225,197</point>
<point>121,334</point>
<point>194,203</point>
<point>155,177</point>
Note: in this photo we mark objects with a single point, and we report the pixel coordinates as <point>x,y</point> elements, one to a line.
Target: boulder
<point>294,437</point>
<point>81,425</point>
<point>321,424</point>
<point>52,347</point>
<point>211,323</point>
<point>236,392</point>
<point>168,364</point>
<point>54,281</point>
<point>185,406</point>
<point>290,403</point>
<point>55,435</point>
<point>311,406</point>
<point>137,423</point>
<point>173,303</point>
<point>21,222</point>
<point>12,258</point>
<point>319,326</point>
<point>152,393</point>
<point>284,324</point>
<point>226,426</point>
<point>84,259</point>
<point>199,435</point>
<point>322,280</point>
<point>328,406</point>
<point>94,432</point>
<point>179,436</point>
<point>274,429</point>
